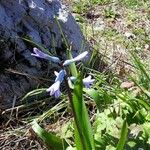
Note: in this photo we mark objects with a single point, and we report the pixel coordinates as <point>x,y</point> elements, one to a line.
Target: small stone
<point>130,35</point>
<point>147,47</point>
<point>126,85</point>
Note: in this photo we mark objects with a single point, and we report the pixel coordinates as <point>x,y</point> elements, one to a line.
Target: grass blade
<point>124,132</point>
<point>33,93</point>
<point>72,66</point>
<point>37,45</point>
<point>140,65</point>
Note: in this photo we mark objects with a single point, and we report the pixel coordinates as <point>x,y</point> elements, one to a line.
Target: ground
<point>114,29</point>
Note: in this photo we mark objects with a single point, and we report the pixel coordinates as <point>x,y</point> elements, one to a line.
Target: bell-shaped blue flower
<point>60,76</point>
<point>88,81</point>
<point>78,58</point>
<point>40,54</point>
<point>55,88</point>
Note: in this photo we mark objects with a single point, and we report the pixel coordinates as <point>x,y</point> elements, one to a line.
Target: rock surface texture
<point>35,20</point>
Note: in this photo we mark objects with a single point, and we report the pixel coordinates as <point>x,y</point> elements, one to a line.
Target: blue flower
<point>40,54</point>
<point>54,89</point>
<point>88,81</point>
<point>78,58</point>
<point>60,76</point>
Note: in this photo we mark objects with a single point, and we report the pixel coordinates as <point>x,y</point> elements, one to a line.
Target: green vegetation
<point>115,112</point>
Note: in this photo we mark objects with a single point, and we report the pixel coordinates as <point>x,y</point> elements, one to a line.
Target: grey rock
<point>34,19</point>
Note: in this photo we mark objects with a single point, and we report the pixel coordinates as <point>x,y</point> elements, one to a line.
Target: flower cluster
<point>54,89</point>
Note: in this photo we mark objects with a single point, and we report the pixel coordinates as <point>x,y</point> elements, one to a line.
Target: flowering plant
<point>54,89</point>
<point>83,130</point>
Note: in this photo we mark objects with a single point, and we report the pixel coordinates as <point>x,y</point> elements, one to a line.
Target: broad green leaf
<point>144,103</point>
<point>83,130</point>
<point>146,127</point>
<point>94,95</point>
<point>51,140</point>
<point>78,141</point>
<point>123,137</point>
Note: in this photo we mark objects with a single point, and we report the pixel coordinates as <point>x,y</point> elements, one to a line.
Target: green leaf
<point>146,92</point>
<point>72,66</point>
<point>51,140</point>
<point>37,45</point>
<point>94,95</point>
<point>78,141</point>
<point>83,131</point>
<point>144,103</point>
<point>140,65</point>
<point>34,92</point>
<point>123,137</point>
<point>62,34</point>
